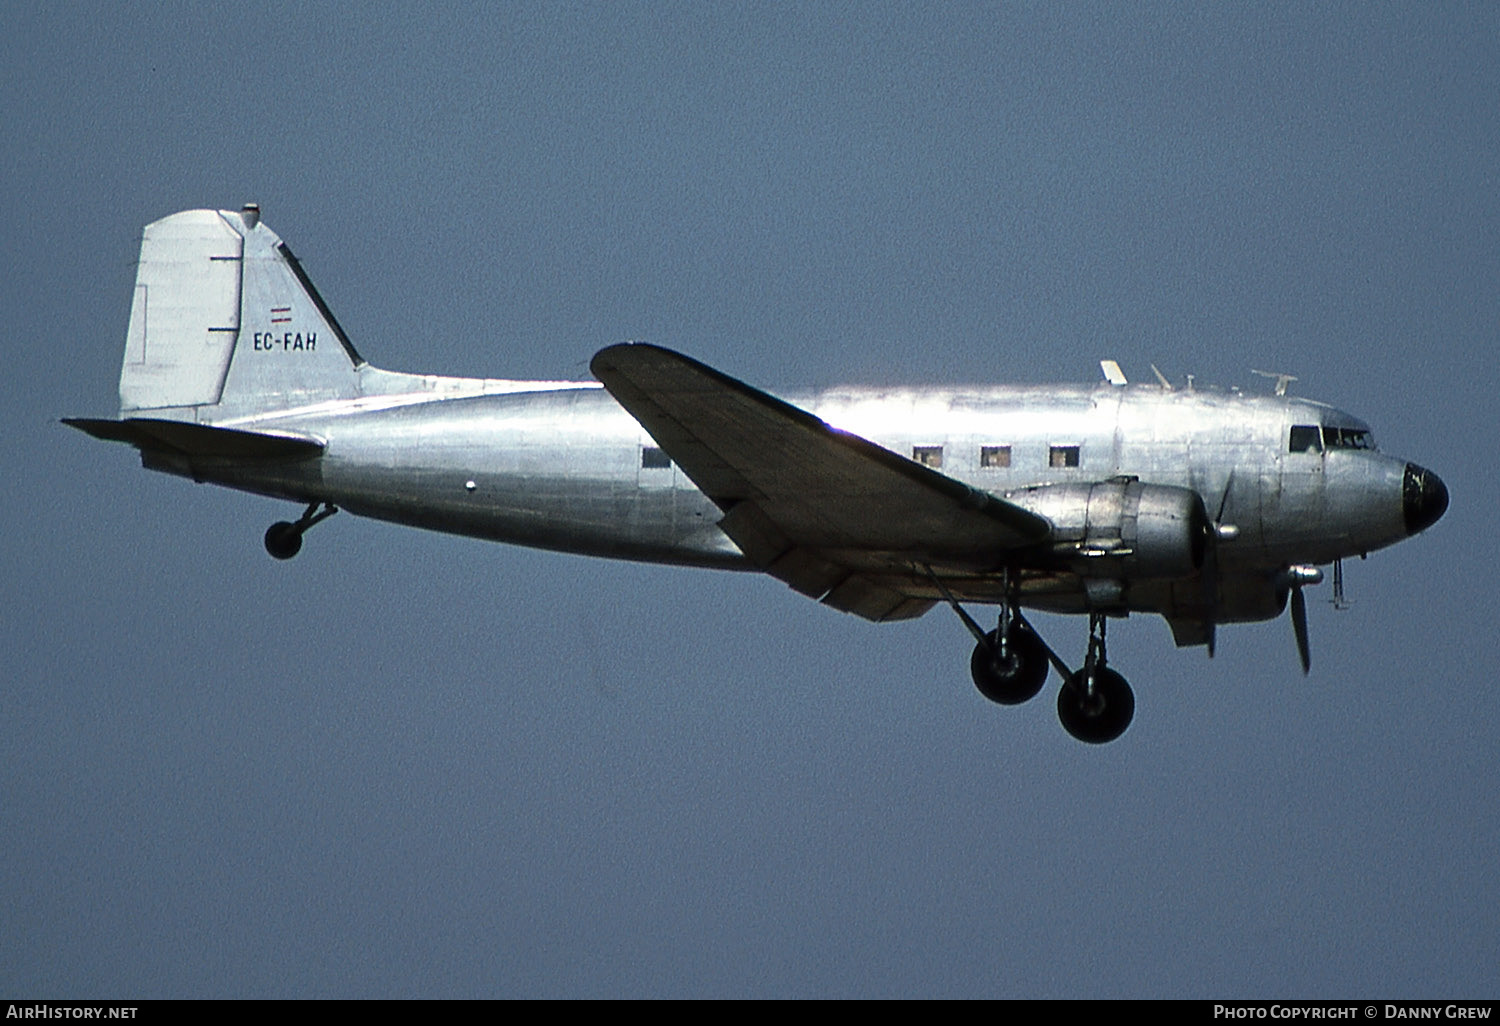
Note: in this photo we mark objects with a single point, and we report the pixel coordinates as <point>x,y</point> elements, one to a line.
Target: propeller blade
<point>1299,627</point>
<point>1208,573</point>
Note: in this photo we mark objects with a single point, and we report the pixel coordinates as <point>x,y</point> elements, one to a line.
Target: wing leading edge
<point>835,516</point>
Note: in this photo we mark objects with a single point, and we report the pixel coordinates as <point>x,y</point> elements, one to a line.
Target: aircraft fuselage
<point>566,468</point>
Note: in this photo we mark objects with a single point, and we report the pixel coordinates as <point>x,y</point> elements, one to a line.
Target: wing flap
<point>863,597</point>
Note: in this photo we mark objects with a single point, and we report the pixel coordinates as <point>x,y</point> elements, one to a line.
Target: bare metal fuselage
<point>565,467</point>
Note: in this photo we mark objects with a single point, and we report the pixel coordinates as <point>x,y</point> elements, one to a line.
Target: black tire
<point>283,540</point>
<point>1101,719</point>
<point>1022,676</point>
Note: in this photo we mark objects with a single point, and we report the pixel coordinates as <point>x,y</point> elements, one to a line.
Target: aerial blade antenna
<point>1282,380</point>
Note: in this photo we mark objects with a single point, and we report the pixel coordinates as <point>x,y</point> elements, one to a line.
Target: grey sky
<point>408,764</point>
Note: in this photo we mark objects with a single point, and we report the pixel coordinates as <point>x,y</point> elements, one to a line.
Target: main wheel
<point>1099,718</point>
<point>1015,678</point>
<point>283,540</point>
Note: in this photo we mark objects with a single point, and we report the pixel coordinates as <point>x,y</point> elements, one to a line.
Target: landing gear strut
<point>1095,703</point>
<point>284,539</point>
<point>1010,663</point>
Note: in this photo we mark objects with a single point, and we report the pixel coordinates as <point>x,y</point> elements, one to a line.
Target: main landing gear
<point>284,539</point>
<point>1010,664</point>
<point>1095,704</point>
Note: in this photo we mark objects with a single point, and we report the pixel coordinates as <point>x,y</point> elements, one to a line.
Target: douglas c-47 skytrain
<point>1202,506</point>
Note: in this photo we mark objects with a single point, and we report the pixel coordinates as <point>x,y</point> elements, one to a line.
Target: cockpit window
<point>1347,438</point>
<point>1306,438</point>
<point>1315,438</point>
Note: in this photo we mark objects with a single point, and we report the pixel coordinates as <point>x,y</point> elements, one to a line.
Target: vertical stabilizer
<point>226,324</point>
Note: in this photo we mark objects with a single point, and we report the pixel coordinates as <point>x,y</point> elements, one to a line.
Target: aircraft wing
<point>837,517</point>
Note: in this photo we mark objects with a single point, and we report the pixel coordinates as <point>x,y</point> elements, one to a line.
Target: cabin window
<point>653,458</point>
<point>1063,456</point>
<point>1305,438</point>
<point>994,455</point>
<point>928,455</point>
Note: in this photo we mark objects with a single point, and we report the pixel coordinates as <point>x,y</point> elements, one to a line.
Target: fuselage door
<point>1295,505</point>
<point>657,476</point>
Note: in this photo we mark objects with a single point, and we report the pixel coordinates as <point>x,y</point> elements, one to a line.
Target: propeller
<point>1294,577</point>
<point>1209,597</point>
<point>1214,531</point>
<point>1299,628</point>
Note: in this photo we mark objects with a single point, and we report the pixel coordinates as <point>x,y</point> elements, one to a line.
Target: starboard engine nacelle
<point>1121,528</point>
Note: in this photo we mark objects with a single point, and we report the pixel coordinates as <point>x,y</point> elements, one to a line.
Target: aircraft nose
<point>1424,498</point>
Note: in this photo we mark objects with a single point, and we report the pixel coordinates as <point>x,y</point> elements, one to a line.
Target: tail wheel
<point>1099,717</point>
<point>283,540</point>
<point>1014,677</point>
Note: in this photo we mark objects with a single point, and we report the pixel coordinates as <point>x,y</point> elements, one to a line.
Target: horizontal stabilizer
<point>200,440</point>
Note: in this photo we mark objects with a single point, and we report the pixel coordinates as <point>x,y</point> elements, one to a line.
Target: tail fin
<point>225,324</point>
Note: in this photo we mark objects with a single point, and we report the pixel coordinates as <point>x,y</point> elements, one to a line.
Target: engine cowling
<point>1121,528</point>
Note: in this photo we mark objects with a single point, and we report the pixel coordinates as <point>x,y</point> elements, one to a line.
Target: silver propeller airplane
<point>1202,506</point>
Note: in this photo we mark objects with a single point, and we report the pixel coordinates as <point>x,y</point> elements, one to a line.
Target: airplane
<point>1200,505</point>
